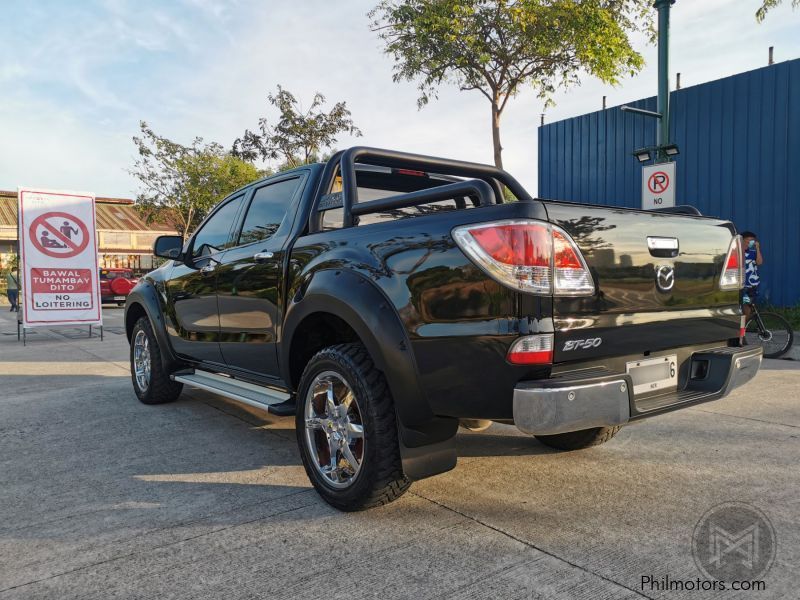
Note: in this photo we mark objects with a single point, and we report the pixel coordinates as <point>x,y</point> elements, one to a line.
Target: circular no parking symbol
<point>59,234</point>
<point>658,182</point>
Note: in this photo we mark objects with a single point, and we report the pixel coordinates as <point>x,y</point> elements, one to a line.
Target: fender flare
<point>145,294</point>
<point>426,441</point>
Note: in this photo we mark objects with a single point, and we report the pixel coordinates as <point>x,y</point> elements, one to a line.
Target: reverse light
<point>732,272</point>
<point>532,350</point>
<point>528,255</point>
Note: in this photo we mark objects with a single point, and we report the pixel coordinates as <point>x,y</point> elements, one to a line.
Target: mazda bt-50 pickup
<point>384,298</point>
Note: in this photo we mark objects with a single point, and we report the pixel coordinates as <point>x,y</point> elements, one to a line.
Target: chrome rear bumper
<point>571,403</point>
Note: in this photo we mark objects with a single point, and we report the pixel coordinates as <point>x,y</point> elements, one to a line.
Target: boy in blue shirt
<point>752,260</point>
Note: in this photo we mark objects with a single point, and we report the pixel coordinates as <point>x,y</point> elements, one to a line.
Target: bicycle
<point>769,330</point>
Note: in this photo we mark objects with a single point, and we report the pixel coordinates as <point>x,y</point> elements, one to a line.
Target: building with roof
<point>124,240</point>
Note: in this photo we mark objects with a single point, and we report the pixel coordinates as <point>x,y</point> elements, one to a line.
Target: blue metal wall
<point>739,140</point>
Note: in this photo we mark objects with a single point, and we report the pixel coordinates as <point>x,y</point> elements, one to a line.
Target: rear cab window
<point>375,183</point>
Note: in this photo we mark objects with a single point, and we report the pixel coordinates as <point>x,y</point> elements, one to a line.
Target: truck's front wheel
<point>576,440</point>
<point>346,430</point>
<point>151,381</point>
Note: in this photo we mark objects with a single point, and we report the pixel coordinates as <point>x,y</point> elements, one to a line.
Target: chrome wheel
<point>334,432</point>
<point>141,360</point>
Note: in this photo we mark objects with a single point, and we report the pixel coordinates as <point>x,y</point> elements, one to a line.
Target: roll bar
<point>491,178</point>
<point>470,187</point>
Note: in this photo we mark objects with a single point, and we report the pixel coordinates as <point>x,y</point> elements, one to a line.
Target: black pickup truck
<point>384,298</point>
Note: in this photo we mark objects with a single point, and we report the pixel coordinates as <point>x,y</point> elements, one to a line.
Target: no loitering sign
<point>59,258</point>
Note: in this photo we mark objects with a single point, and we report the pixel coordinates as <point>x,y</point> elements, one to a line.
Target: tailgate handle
<point>663,247</point>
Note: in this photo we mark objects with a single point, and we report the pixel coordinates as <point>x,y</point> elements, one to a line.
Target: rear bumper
<point>576,401</point>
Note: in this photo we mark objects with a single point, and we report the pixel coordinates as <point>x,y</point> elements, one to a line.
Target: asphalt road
<point>103,497</point>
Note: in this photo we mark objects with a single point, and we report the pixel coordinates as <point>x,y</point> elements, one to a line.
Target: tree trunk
<point>187,223</point>
<point>498,148</point>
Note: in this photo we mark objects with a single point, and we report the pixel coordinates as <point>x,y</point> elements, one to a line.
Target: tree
<point>299,137</point>
<point>498,46</point>
<point>768,5</point>
<point>180,184</point>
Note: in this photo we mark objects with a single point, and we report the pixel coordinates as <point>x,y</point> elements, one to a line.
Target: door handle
<point>262,256</point>
<point>209,268</point>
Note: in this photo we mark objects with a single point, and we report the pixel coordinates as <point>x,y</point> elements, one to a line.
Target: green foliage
<point>790,313</point>
<point>299,137</point>
<point>768,5</point>
<point>498,46</point>
<point>180,184</point>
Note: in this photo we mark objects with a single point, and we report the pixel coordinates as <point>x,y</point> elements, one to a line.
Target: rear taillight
<point>532,350</point>
<point>515,253</point>
<point>572,275</point>
<point>528,255</point>
<point>732,272</point>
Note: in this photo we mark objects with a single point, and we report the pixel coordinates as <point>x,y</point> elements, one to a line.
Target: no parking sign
<point>658,186</point>
<point>59,258</point>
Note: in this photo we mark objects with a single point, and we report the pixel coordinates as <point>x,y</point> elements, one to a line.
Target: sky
<point>77,77</point>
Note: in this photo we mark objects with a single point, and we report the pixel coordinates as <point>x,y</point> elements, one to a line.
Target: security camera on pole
<point>658,179</point>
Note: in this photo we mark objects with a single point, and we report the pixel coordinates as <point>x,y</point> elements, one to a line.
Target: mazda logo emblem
<point>665,278</point>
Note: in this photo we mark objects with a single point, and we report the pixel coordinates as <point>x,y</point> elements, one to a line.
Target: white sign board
<point>658,186</point>
<point>58,245</point>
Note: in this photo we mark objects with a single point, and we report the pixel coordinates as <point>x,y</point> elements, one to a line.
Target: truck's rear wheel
<point>575,440</point>
<point>151,381</point>
<point>475,424</point>
<point>346,430</point>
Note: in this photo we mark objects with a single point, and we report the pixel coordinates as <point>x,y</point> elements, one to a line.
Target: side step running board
<point>247,393</point>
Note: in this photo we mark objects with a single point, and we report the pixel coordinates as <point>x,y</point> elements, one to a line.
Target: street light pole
<point>663,150</point>
<point>662,133</point>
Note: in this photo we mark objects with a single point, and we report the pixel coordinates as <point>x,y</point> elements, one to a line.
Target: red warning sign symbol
<point>658,182</point>
<point>59,234</point>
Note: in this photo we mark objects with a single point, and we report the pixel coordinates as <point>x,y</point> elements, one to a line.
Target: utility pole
<point>662,134</point>
<point>663,150</point>
<point>658,179</point>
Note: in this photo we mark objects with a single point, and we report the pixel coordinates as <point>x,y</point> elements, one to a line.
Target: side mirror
<point>168,246</point>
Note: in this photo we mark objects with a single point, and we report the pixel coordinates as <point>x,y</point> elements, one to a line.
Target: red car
<point>115,285</point>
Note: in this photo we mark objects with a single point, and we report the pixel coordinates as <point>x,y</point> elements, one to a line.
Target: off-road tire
<point>381,479</point>
<point>161,389</point>
<point>576,440</point>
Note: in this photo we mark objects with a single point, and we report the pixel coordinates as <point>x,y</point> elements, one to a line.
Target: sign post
<point>658,186</point>
<point>60,284</point>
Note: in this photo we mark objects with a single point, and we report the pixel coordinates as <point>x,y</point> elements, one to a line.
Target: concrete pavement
<point>103,497</point>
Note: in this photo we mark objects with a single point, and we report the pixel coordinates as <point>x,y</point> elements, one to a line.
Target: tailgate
<point>650,296</point>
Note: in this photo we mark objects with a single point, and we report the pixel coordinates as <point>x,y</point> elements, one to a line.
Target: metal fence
<point>739,140</point>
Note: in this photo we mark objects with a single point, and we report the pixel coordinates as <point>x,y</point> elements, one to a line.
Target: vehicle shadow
<point>498,440</point>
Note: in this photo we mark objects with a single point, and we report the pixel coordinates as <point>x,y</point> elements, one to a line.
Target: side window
<point>267,210</point>
<point>215,234</point>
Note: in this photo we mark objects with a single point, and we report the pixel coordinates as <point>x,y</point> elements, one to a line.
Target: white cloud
<point>73,96</point>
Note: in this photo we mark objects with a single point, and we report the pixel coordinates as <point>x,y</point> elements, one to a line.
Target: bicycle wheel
<point>775,339</point>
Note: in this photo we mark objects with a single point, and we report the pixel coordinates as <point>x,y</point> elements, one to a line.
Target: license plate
<point>119,297</point>
<point>653,374</point>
